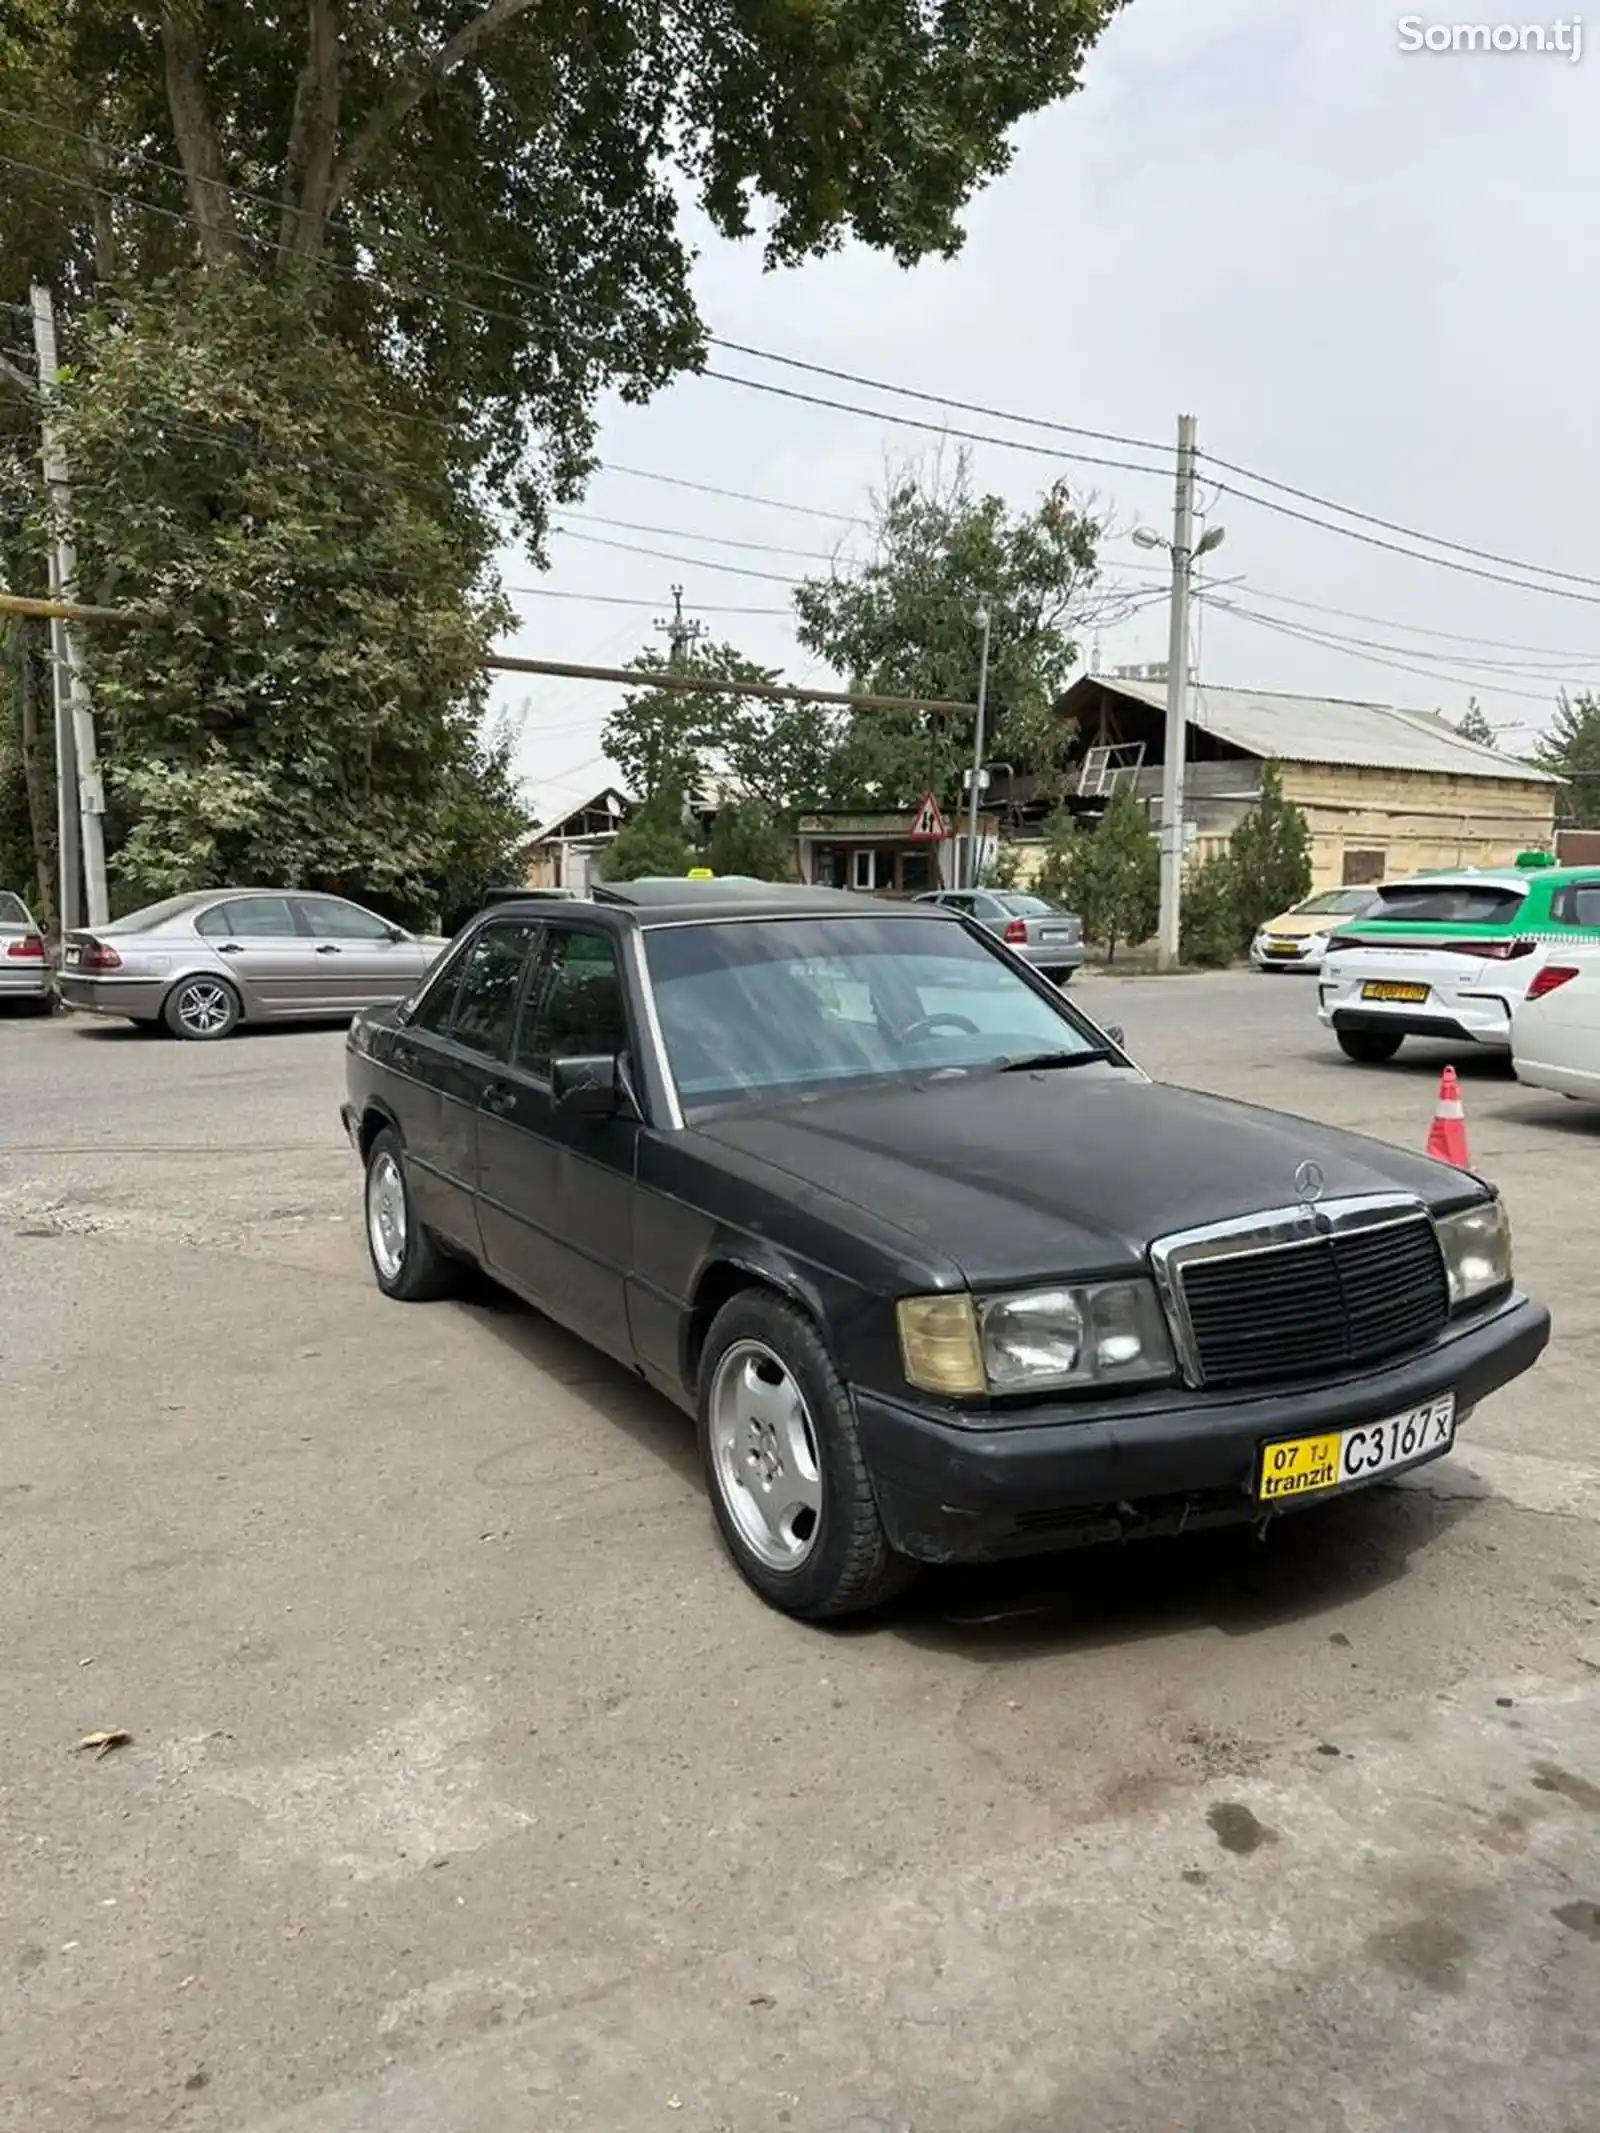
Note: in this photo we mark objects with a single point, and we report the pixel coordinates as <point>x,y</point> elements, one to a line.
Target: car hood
<point>1040,1175</point>
<point>1296,926</point>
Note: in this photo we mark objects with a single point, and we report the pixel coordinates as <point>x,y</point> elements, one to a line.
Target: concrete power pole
<point>1172,846</point>
<point>80,799</point>
<point>682,637</point>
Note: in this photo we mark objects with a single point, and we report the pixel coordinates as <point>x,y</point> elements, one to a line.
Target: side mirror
<point>586,1085</point>
<point>398,933</point>
<point>1114,1032</point>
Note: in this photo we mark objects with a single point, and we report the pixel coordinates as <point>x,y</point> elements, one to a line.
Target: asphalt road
<point>469,1791</point>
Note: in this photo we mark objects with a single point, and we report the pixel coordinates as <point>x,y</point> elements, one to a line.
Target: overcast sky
<point>1367,273</point>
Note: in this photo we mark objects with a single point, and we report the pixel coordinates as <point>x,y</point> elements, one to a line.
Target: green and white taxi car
<point>1453,955</point>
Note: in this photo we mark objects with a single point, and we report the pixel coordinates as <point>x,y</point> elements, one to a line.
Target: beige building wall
<point>1384,824</point>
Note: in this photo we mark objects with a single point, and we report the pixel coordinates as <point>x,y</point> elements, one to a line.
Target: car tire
<point>407,1262</point>
<point>773,1407</point>
<point>1060,978</point>
<point>1368,1047</point>
<point>202,1009</point>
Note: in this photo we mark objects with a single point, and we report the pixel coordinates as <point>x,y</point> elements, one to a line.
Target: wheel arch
<point>375,1117</point>
<point>735,1271</point>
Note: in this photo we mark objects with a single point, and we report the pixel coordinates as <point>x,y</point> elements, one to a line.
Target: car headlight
<point>1477,1252</point>
<point>1106,1333</point>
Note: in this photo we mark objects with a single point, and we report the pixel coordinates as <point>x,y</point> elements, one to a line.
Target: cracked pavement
<point>469,1791</point>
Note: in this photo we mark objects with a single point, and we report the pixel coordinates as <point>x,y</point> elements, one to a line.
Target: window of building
<point>1363,865</point>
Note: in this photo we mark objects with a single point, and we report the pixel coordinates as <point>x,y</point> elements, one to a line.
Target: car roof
<point>659,902</point>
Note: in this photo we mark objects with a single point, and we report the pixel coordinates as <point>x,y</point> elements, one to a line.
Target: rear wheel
<point>788,1482</point>
<point>1368,1047</point>
<point>1063,978</point>
<point>202,1010</point>
<point>406,1260</point>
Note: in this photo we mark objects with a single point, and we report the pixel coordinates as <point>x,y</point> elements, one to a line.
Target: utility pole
<point>682,637</point>
<point>80,798</point>
<point>1177,701</point>
<point>979,738</point>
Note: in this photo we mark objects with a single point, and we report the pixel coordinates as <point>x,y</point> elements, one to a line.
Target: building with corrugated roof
<point>1385,792</point>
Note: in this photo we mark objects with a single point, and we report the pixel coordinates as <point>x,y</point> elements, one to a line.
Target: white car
<point>1449,956</point>
<point>1298,939</point>
<point>1555,1033</point>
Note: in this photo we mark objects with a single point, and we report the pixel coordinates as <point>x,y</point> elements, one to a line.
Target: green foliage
<point>1271,856</point>
<point>1473,726</point>
<point>299,696</point>
<point>529,160</point>
<point>1004,867</point>
<point>1110,876</point>
<point>1570,747</point>
<point>1211,937</point>
<point>905,624</point>
<point>778,755</point>
<point>652,841</point>
<point>746,840</point>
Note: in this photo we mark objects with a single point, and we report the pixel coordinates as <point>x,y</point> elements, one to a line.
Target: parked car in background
<point>1555,1033</point>
<point>1452,955</point>
<point>1297,939</point>
<point>25,974</point>
<point>1051,940</point>
<point>200,964</point>
<point>941,1274</point>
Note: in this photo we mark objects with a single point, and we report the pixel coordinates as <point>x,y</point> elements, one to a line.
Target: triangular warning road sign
<point>928,825</point>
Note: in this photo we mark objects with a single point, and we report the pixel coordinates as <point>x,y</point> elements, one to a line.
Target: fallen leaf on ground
<point>103,1743</point>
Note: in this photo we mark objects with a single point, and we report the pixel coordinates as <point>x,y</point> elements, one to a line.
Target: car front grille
<point>1315,1307</point>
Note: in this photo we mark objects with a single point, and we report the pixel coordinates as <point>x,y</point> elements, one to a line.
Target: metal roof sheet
<point>1322,729</point>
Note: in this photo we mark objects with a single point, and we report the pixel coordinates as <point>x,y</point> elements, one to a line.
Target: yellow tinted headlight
<point>939,1345</point>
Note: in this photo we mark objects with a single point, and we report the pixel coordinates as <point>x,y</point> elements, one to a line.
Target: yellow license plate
<point>1305,1466</point>
<point>1383,989</point>
<point>1283,947</point>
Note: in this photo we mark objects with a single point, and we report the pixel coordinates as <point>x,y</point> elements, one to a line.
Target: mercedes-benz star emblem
<point>1309,1182</point>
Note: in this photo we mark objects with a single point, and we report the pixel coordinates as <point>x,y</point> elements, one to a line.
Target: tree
<point>652,841</point>
<point>1571,748</point>
<point>744,840</point>
<point>1270,854</point>
<point>298,694</point>
<point>485,195</point>
<point>777,755</point>
<point>1473,726</point>
<point>905,623</point>
<point>1210,914</point>
<point>1110,876</point>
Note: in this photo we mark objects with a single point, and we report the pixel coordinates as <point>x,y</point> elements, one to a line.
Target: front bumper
<point>1305,955</point>
<point>963,1490</point>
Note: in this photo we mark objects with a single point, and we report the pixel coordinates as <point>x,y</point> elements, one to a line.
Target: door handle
<point>327,948</point>
<point>230,948</point>
<point>498,1100</point>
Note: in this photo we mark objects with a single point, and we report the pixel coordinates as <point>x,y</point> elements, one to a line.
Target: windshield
<point>1337,902</point>
<point>794,1007</point>
<point>12,912</point>
<point>1449,903</point>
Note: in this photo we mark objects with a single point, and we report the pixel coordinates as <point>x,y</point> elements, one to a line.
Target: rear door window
<point>1449,903</point>
<point>330,918</point>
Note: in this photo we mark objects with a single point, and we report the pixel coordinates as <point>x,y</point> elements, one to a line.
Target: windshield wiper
<point>1037,1062</point>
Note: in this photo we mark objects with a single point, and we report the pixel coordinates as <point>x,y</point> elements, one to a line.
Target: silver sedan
<point>24,959</point>
<point>1051,940</point>
<point>201,964</point>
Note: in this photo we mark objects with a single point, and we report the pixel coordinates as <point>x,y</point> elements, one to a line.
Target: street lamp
<point>982,620</point>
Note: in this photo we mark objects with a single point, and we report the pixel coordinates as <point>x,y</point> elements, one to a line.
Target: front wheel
<point>1368,1047</point>
<point>406,1262</point>
<point>789,1486</point>
<point>202,1010</point>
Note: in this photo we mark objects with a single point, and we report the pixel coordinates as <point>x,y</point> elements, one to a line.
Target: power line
<point>1415,555</point>
<point>682,533</point>
<point>555,592</point>
<point>689,562</point>
<point>1389,622</point>
<point>1368,518</point>
<point>1329,643</point>
<point>738,496</point>
<point>910,392</point>
<point>931,429</point>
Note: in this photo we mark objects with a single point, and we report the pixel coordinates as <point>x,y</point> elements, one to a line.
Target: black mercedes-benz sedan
<point>942,1275</point>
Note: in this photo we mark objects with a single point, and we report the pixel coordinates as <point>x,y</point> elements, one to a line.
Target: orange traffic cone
<point>1447,1136</point>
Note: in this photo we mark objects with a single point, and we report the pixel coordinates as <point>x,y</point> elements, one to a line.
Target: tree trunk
<point>313,137</point>
<point>199,149</point>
